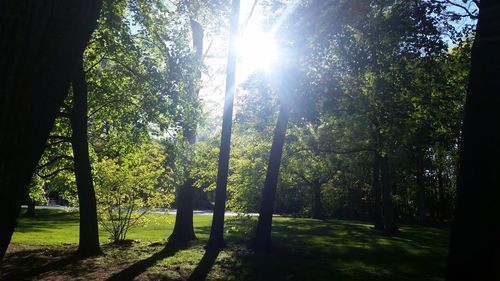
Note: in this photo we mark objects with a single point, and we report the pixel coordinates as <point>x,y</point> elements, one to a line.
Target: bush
<point>129,186</point>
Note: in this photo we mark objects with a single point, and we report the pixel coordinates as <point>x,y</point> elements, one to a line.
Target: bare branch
<point>466,10</point>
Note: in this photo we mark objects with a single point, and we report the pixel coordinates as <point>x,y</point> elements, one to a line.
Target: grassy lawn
<point>306,249</point>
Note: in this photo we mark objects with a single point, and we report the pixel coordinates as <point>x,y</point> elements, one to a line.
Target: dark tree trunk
<point>89,232</point>
<point>183,230</point>
<point>474,243</point>
<point>317,208</point>
<point>421,197</point>
<point>30,212</point>
<point>262,240</point>
<point>440,208</point>
<point>376,205</point>
<point>216,240</point>
<point>388,206</point>
<point>41,41</point>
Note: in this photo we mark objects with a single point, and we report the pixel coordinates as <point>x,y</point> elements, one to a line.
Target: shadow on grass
<point>203,268</point>
<point>141,266</point>
<point>28,274</point>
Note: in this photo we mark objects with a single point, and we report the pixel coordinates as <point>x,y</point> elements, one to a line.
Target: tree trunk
<point>216,240</point>
<point>441,201</point>
<point>262,240</point>
<point>183,230</point>
<point>89,232</point>
<point>376,205</point>
<point>474,248</point>
<point>30,212</point>
<point>36,79</point>
<point>421,197</point>
<point>317,208</point>
<point>389,217</point>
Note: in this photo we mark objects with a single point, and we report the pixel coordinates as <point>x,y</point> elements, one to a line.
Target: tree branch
<point>61,138</point>
<point>54,172</point>
<point>96,63</point>
<point>128,68</point>
<point>56,143</point>
<point>334,151</point>
<point>472,14</point>
<point>102,106</point>
<point>52,161</point>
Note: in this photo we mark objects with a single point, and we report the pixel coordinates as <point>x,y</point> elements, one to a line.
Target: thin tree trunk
<point>389,217</point>
<point>36,81</point>
<point>441,201</point>
<point>317,208</point>
<point>474,242</point>
<point>216,240</point>
<point>376,205</point>
<point>421,197</point>
<point>183,230</point>
<point>89,232</point>
<point>262,240</point>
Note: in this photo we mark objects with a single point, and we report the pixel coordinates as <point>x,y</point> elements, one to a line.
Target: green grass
<point>306,249</point>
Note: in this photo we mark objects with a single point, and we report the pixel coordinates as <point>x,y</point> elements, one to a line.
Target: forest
<point>250,140</point>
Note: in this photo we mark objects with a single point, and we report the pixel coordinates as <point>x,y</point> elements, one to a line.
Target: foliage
<point>129,186</point>
<point>36,190</point>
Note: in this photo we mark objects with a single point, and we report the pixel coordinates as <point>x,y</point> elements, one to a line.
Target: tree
<point>284,85</point>
<point>183,228</point>
<point>89,232</point>
<point>262,240</point>
<point>35,194</point>
<point>474,252</point>
<point>37,79</point>
<point>216,240</point>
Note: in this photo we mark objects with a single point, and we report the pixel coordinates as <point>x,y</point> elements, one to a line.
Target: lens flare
<point>256,51</point>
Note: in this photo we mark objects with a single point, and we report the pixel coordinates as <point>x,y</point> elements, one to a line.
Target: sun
<point>257,51</point>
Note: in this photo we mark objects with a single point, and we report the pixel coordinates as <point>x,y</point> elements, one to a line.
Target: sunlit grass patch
<point>305,249</point>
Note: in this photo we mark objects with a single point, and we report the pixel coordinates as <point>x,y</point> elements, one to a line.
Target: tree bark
<point>474,252</point>
<point>216,240</point>
<point>41,41</point>
<point>317,207</point>
<point>376,194</point>
<point>262,240</point>
<point>183,230</point>
<point>89,231</point>
<point>388,208</point>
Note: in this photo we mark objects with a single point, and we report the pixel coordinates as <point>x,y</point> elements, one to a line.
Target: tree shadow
<point>141,266</point>
<point>30,273</point>
<point>203,268</point>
